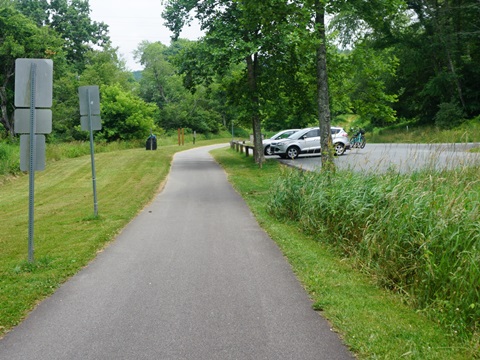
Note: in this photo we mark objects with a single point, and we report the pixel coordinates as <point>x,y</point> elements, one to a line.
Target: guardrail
<point>241,146</point>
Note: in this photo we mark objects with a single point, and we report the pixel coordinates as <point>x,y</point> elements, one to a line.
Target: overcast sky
<point>132,22</point>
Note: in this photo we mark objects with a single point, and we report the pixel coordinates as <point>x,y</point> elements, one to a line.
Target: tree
<point>436,44</point>
<point>124,115</point>
<point>439,52</point>
<point>158,83</point>
<point>237,31</point>
<point>375,14</point>
<point>70,19</point>
<point>37,10</point>
<point>102,68</point>
<point>163,84</point>
<point>261,33</point>
<point>323,95</point>
<point>365,83</point>
<point>20,38</point>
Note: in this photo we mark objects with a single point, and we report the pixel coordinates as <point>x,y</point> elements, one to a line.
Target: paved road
<point>400,157</point>
<point>192,277</point>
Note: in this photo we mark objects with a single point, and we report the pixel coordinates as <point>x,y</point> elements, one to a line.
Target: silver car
<point>278,136</point>
<point>308,141</point>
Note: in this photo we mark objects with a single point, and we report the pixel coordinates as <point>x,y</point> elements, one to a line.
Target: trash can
<point>151,143</point>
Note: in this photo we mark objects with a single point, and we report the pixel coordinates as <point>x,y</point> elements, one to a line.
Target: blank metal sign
<point>43,83</point>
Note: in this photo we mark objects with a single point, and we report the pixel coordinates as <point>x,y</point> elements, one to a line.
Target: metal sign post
<point>32,146</point>
<point>92,152</point>
<point>31,170</point>
<point>89,105</point>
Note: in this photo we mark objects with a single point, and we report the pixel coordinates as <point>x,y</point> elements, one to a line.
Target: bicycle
<point>358,140</point>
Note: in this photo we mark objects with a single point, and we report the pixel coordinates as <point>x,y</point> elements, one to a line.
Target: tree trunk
<point>252,68</point>
<point>447,39</point>
<point>3,112</point>
<point>322,89</point>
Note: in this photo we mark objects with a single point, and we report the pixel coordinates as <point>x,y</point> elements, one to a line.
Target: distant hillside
<point>137,74</point>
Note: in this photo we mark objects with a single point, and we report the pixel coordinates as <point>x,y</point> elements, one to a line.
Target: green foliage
<point>102,68</point>
<point>65,108</point>
<point>124,115</point>
<point>37,32</point>
<point>449,115</point>
<point>37,10</point>
<point>71,20</point>
<point>160,84</point>
<point>32,38</point>
<point>106,68</point>
<point>285,69</point>
<point>247,32</point>
<point>411,60</point>
<point>367,85</point>
<point>21,38</point>
<point>436,48</point>
<point>9,158</point>
<point>418,234</point>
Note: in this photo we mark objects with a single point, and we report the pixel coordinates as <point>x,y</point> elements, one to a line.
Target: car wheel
<point>293,152</point>
<point>339,148</point>
<point>268,150</point>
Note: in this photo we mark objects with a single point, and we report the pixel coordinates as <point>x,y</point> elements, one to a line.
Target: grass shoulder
<point>468,132</point>
<point>373,322</point>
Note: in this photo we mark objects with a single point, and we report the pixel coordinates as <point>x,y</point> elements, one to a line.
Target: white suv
<point>267,150</point>
<point>308,141</point>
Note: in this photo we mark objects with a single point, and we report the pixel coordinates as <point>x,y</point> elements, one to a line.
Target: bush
<point>449,115</point>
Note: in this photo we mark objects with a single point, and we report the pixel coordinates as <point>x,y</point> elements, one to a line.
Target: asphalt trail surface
<point>193,276</point>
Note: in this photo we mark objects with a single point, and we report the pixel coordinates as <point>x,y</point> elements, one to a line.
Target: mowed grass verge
<point>373,322</point>
<point>67,235</point>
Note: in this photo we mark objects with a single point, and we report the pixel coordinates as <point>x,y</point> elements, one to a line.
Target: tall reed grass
<point>417,234</point>
<point>9,158</point>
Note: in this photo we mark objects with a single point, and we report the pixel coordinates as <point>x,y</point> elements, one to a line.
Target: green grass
<point>67,235</point>
<point>10,150</point>
<point>9,158</point>
<point>375,323</point>
<point>412,133</point>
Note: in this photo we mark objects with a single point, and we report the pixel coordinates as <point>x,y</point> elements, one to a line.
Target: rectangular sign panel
<point>96,123</point>
<point>89,92</point>
<point>43,82</point>
<point>43,123</point>
<point>39,152</point>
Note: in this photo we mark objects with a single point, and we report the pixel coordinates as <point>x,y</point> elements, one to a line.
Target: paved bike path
<point>193,276</point>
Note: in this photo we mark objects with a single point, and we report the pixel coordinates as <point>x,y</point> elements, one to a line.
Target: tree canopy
<point>264,66</point>
<point>71,20</point>
<point>21,38</point>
